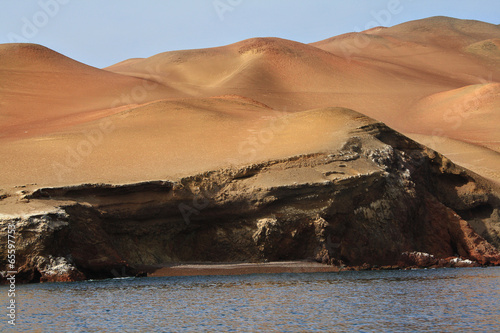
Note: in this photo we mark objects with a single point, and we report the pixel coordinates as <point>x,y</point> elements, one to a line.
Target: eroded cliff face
<point>381,200</point>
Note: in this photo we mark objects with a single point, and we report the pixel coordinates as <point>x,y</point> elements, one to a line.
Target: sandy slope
<point>443,50</point>
<point>64,122</point>
<point>291,76</point>
<point>440,46</point>
<point>42,91</point>
<point>167,139</point>
<point>470,114</point>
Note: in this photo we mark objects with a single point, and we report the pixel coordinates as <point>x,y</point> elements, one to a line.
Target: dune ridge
<point>395,75</point>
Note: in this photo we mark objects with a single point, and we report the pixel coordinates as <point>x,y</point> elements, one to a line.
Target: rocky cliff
<point>379,200</point>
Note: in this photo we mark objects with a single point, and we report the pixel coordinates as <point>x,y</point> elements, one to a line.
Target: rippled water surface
<point>442,300</point>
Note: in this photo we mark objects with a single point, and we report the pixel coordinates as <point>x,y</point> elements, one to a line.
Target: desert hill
<point>43,91</point>
<point>385,73</point>
<point>290,76</point>
<point>282,138</point>
<point>444,46</point>
<point>457,51</point>
<point>469,114</point>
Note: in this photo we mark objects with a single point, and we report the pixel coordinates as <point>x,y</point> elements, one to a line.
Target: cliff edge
<point>377,200</point>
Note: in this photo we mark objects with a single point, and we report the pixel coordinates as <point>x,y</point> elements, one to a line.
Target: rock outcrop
<point>380,200</point>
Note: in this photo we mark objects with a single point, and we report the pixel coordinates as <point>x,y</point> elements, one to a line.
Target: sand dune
<point>470,114</point>
<point>42,91</point>
<point>290,76</point>
<point>440,47</point>
<point>183,137</point>
<point>181,111</point>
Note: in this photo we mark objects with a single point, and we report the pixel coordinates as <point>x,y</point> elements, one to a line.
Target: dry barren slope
<point>470,114</point>
<point>448,48</point>
<point>42,91</point>
<point>290,76</point>
<point>464,52</point>
<point>135,119</point>
<point>165,139</point>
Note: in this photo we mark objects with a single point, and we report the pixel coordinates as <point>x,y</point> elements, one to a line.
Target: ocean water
<point>436,300</point>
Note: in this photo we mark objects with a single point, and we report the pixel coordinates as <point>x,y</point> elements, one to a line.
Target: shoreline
<point>207,269</point>
<point>417,261</point>
<point>247,268</point>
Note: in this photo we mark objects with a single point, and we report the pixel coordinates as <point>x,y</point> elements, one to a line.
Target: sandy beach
<point>244,268</point>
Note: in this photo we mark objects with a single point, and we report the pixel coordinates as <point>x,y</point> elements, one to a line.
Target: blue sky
<point>103,32</point>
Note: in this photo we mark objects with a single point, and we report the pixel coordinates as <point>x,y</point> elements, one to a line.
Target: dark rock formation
<point>381,200</point>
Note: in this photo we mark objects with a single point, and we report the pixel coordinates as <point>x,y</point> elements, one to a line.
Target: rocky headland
<point>379,201</point>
